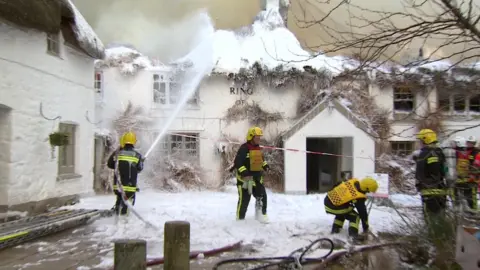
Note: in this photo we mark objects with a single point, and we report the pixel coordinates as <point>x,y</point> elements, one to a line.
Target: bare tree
<point>443,29</point>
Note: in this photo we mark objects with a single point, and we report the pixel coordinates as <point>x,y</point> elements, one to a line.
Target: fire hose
<point>296,258</point>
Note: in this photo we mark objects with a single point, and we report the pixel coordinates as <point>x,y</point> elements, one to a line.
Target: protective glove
<point>471,179</point>
<point>248,184</point>
<point>266,168</point>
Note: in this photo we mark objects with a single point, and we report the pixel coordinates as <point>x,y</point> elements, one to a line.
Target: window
<point>475,104</point>
<point>183,146</point>
<point>53,44</point>
<point>168,91</point>
<point>459,103</point>
<point>444,101</point>
<point>98,82</point>
<point>66,153</point>
<point>159,89</point>
<point>403,99</point>
<point>402,148</point>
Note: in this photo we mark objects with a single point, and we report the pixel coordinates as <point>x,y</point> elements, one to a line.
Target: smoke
<point>161,29</point>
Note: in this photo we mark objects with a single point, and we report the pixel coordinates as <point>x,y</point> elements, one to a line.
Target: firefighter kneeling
<point>342,200</point>
<point>129,163</point>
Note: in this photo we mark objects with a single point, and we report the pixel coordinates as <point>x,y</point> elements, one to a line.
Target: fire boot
<point>259,216</point>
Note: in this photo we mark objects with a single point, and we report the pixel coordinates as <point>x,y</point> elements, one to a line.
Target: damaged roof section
<point>52,16</point>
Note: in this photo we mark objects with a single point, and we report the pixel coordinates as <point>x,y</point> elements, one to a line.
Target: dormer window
<point>98,84</point>
<point>53,44</point>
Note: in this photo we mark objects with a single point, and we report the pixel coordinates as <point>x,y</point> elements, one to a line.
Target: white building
<point>209,117</point>
<point>47,51</point>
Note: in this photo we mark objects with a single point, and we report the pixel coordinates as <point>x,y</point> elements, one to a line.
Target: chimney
<point>263,5</point>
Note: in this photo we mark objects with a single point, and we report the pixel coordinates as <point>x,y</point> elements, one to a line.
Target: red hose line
<point>194,254</point>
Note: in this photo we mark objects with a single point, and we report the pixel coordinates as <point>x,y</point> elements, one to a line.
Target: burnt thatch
<point>53,16</point>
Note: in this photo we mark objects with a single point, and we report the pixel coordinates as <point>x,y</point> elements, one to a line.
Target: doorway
<point>97,163</point>
<point>323,171</point>
<point>5,154</point>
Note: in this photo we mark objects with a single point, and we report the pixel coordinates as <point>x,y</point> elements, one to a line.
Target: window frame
<point>66,163</point>
<point>402,151</point>
<point>171,96</point>
<point>467,101</point>
<point>98,83</point>
<point>166,148</point>
<point>54,44</point>
<point>396,99</point>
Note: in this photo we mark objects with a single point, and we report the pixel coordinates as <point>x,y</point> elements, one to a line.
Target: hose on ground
<point>296,258</point>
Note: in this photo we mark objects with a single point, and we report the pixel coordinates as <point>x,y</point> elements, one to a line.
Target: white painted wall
<point>347,150</point>
<point>329,123</point>
<point>28,76</point>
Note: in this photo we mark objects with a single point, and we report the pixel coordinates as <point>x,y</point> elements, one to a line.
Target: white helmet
<point>460,141</point>
<point>471,139</point>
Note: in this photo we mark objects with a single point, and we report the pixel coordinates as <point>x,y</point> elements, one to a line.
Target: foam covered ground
<point>213,224</point>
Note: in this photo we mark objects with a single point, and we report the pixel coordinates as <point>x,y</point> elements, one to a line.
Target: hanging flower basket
<point>59,139</point>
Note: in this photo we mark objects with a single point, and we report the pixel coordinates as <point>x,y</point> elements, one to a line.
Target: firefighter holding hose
<point>342,201</point>
<point>249,166</point>
<point>430,175</point>
<point>128,163</point>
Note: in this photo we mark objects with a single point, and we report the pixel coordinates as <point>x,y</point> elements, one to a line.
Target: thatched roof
<point>52,16</point>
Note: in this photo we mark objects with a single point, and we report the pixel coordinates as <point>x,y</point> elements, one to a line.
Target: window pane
<point>475,103</point>
<point>174,93</point>
<point>403,99</point>
<point>459,103</point>
<point>159,92</point>
<point>402,148</point>
<point>444,102</point>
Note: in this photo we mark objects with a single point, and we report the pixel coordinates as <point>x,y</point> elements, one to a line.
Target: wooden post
<point>130,255</point>
<point>176,245</point>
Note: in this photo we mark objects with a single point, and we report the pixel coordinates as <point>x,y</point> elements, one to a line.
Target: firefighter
<point>430,175</point>
<point>250,165</point>
<point>465,159</point>
<point>130,163</point>
<point>469,188</point>
<point>342,201</point>
<point>120,147</point>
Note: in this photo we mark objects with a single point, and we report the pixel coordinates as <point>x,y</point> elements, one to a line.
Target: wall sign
<point>241,90</point>
<point>240,102</point>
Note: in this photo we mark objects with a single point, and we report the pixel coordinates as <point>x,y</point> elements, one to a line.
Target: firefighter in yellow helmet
<point>249,166</point>
<point>342,201</point>
<point>128,163</point>
<point>430,174</point>
<point>468,171</point>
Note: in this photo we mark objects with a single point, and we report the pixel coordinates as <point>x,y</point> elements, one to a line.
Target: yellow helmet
<point>369,184</point>
<point>128,138</point>
<point>427,136</point>
<point>254,131</point>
